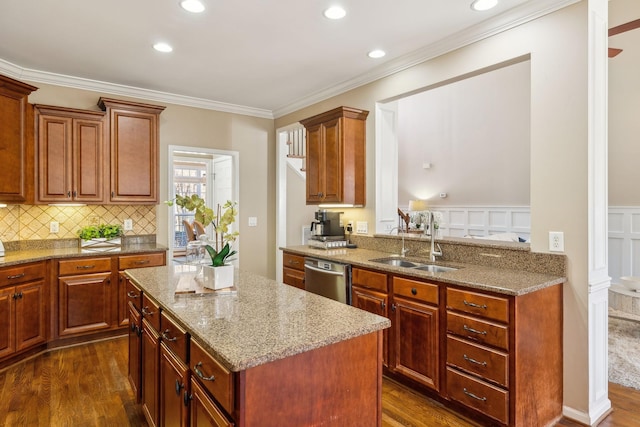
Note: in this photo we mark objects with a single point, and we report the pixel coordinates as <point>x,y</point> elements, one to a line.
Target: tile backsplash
<point>31,222</point>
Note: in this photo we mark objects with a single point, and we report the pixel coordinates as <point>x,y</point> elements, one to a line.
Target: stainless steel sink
<point>396,262</point>
<point>399,262</point>
<point>434,268</point>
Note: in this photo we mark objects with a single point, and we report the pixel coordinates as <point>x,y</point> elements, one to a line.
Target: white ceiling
<point>257,57</point>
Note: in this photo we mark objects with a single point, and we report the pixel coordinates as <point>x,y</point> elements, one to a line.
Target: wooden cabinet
<point>140,260</point>
<point>336,147</point>
<point>415,335</point>
<point>150,373</point>
<point>369,292</point>
<point>71,155</point>
<point>135,352</point>
<point>174,389</point>
<point>84,295</point>
<point>502,351</point>
<point>293,270</point>
<point>134,150</point>
<point>204,410</point>
<point>16,141</point>
<point>23,310</point>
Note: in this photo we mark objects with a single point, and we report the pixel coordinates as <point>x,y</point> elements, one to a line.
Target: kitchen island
<point>288,357</point>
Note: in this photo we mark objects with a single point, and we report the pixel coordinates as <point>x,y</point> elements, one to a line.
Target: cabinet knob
<point>414,291</point>
<point>178,387</point>
<point>68,194</point>
<point>186,398</point>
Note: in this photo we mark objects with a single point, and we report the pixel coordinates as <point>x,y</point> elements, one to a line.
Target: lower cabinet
<point>23,314</point>
<point>174,389</point>
<point>133,261</point>
<point>135,349</point>
<point>204,411</point>
<point>293,270</point>
<point>150,373</point>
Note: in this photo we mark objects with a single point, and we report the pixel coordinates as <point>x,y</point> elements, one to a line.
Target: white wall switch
<point>54,227</point>
<point>362,227</point>
<point>253,221</point>
<point>128,225</point>
<point>556,241</point>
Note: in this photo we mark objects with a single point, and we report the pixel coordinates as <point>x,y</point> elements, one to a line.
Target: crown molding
<point>505,21</point>
<point>17,72</point>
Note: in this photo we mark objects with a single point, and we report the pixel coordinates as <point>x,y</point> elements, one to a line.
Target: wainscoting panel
<point>624,242</point>
<point>479,221</point>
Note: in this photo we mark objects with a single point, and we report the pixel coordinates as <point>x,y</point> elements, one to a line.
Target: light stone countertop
<point>500,280</point>
<point>264,321</point>
<point>31,255</point>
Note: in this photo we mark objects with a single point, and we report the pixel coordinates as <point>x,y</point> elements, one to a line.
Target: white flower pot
<point>217,277</point>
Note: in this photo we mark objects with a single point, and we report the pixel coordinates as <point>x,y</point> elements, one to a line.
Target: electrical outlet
<point>54,227</point>
<point>253,221</point>
<point>362,227</point>
<point>128,225</point>
<point>556,241</point>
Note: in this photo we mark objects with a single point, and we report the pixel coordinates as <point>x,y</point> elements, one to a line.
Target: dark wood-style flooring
<point>87,385</point>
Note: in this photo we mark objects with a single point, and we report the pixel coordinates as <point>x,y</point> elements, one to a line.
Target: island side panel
<point>336,385</point>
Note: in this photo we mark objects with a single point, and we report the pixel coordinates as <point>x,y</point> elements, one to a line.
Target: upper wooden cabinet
<point>133,138</point>
<point>71,155</point>
<point>16,141</point>
<point>336,158</point>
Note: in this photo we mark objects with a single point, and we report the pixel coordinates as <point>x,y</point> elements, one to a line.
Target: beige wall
<point>557,46</point>
<point>254,140</point>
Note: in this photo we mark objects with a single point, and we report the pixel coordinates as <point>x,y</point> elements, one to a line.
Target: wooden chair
<point>198,228</point>
<point>188,228</point>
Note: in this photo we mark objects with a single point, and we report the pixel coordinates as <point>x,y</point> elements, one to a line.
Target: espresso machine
<point>326,231</point>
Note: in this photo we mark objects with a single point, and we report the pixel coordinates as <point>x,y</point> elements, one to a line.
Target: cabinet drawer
<point>22,273</point>
<point>84,265</point>
<point>478,304</point>
<point>293,261</point>
<point>217,379</point>
<point>134,294</point>
<point>369,279</point>
<point>478,330</point>
<point>293,277</point>
<point>427,292</point>
<point>173,336</point>
<point>150,311</point>
<point>484,397</point>
<point>141,260</point>
<point>490,364</point>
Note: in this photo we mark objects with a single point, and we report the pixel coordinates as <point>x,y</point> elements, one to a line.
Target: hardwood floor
<point>87,385</point>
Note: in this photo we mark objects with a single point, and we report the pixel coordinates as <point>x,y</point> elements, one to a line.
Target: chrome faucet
<point>403,251</point>
<point>433,253</point>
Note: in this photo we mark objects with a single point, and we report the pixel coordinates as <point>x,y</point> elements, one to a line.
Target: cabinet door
<point>174,393</point>
<point>16,141</point>
<point>376,303</point>
<point>314,167</point>
<point>135,352</point>
<point>88,160</point>
<point>293,277</point>
<point>150,373</point>
<point>416,342</point>
<point>7,326</point>
<point>31,321</point>
<point>84,303</point>
<point>204,411</point>
<point>54,158</point>
<point>134,156</point>
<point>123,306</point>
<point>333,161</point>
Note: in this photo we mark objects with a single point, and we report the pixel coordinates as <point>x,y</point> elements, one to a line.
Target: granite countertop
<point>503,281</point>
<point>261,322</point>
<point>31,255</point>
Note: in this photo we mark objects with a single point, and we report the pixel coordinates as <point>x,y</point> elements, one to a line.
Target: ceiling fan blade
<point>613,52</point>
<point>632,25</point>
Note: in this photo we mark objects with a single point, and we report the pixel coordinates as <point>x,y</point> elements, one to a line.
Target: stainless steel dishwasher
<point>329,279</point>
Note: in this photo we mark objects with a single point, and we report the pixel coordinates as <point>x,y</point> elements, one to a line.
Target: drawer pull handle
<point>475,331</point>
<point>414,291</point>
<point>165,335</point>
<point>179,387</point>
<point>85,267</point>
<point>141,262</point>
<point>199,373</point>
<point>474,305</point>
<point>16,276</point>
<point>293,262</point>
<point>468,393</point>
<point>146,312</point>
<point>132,294</point>
<point>471,360</point>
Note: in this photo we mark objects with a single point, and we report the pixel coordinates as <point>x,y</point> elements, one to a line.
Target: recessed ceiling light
<point>162,47</point>
<point>377,53</point>
<point>335,12</point>
<point>193,6</point>
<point>481,5</point>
